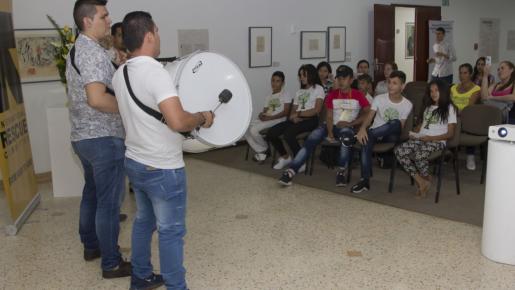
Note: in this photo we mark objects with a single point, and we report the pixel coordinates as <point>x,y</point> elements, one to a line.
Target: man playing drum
<point>154,160</point>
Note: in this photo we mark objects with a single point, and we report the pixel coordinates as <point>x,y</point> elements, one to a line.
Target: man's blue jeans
<point>161,204</point>
<point>99,223</point>
<point>447,79</point>
<point>387,133</point>
<point>316,137</point>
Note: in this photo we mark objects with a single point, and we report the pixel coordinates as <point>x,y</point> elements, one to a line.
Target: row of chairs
<point>471,130</point>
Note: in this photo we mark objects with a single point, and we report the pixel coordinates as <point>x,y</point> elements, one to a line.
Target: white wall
<point>228,22</point>
<point>403,15</point>
<point>466,15</point>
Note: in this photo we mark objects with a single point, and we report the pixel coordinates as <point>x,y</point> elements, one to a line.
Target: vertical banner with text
<point>16,165</point>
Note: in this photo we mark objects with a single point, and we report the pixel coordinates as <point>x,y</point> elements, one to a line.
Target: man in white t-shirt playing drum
<point>154,160</point>
<point>389,112</point>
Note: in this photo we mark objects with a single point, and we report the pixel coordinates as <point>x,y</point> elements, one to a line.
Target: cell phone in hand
<point>488,60</point>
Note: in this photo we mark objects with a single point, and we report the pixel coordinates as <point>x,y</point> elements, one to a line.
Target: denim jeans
<point>447,79</point>
<point>316,137</point>
<point>387,133</point>
<point>99,224</point>
<point>161,204</point>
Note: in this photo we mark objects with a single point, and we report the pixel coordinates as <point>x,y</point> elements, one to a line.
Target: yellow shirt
<point>461,100</point>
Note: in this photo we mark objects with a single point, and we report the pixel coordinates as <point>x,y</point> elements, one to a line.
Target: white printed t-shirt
<point>386,110</point>
<point>433,126</point>
<point>305,99</point>
<point>274,103</point>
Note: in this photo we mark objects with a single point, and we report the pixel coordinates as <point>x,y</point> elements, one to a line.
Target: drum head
<point>200,78</point>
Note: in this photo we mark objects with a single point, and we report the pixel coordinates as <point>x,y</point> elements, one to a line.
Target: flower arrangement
<point>62,47</point>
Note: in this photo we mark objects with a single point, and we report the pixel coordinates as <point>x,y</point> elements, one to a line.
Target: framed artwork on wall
<point>410,40</point>
<point>36,57</point>
<point>337,43</point>
<point>313,44</point>
<point>260,47</point>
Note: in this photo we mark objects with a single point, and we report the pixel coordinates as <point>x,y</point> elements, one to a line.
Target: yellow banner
<point>16,163</point>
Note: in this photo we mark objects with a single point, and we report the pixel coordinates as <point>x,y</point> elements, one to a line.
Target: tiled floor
<point>246,232</point>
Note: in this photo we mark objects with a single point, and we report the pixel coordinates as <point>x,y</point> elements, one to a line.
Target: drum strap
<point>157,115</point>
<point>72,60</point>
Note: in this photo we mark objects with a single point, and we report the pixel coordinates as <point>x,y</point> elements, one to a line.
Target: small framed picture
<point>260,47</point>
<point>337,43</point>
<point>313,44</point>
<point>36,54</point>
<point>410,40</point>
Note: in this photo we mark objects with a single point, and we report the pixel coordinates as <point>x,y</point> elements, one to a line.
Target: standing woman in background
<point>501,94</point>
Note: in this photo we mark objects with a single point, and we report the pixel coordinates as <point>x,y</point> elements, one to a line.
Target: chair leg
<point>392,176</point>
<point>308,164</point>
<point>274,152</point>
<point>457,171</point>
<point>349,169</point>
<point>439,182</point>
<point>247,152</point>
<point>312,162</point>
<point>483,169</point>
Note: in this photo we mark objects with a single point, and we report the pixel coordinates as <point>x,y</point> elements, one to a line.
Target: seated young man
<point>389,112</point>
<point>344,106</point>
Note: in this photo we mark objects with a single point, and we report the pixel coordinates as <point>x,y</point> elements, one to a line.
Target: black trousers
<point>289,131</point>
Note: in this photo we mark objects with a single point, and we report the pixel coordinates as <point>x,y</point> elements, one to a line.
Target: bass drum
<point>200,77</point>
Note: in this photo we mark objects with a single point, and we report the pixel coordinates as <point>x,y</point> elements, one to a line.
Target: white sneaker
<point>471,162</point>
<point>281,163</point>
<point>260,157</point>
<point>302,168</point>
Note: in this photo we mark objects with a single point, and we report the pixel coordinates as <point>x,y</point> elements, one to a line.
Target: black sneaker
<point>286,177</point>
<point>361,186</point>
<point>124,269</point>
<point>151,282</point>
<point>91,254</point>
<point>341,179</point>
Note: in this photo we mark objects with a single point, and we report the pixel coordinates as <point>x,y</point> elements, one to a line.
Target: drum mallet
<point>224,97</point>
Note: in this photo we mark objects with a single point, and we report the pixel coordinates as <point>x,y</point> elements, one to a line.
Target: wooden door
<point>384,38</point>
<point>422,16</point>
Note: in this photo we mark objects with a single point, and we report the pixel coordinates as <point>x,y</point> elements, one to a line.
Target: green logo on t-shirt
<point>391,114</point>
<point>430,118</point>
<point>274,104</point>
<point>303,99</point>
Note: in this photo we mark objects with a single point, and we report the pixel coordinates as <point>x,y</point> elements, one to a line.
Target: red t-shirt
<point>338,94</point>
<point>345,106</point>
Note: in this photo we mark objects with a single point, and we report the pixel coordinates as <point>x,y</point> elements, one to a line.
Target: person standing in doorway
<point>443,55</point>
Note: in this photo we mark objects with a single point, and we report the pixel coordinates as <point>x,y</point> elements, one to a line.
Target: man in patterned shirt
<point>97,137</point>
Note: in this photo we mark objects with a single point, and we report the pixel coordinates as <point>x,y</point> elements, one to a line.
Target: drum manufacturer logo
<point>197,67</point>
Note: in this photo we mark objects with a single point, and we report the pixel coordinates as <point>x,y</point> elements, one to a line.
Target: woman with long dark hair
<point>438,125</point>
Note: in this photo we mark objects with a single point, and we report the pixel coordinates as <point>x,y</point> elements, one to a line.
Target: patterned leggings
<point>419,151</point>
